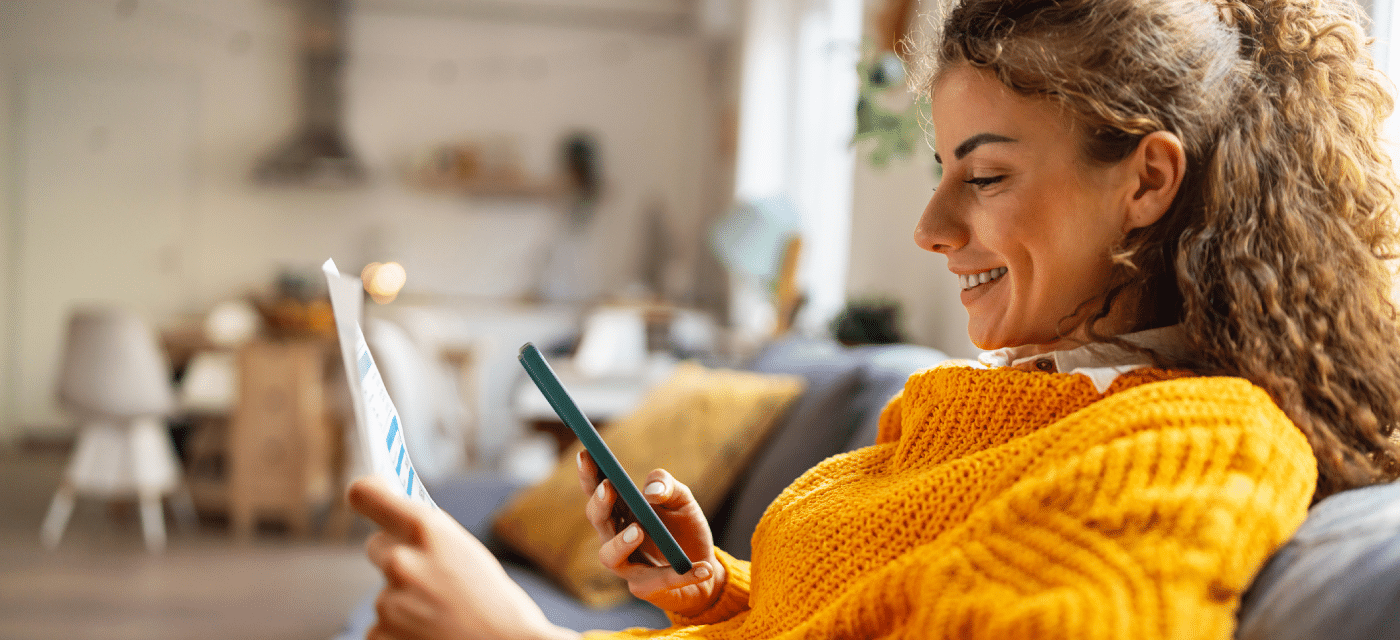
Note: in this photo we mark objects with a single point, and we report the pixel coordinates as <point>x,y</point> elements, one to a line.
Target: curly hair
<point>1273,255</point>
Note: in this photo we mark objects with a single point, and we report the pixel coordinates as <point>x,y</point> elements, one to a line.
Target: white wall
<point>639,92</point>
<point>885,264</point>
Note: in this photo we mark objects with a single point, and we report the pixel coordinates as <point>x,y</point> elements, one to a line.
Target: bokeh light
<point>383,280</point>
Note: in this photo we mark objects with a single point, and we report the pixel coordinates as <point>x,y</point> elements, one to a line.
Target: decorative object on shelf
<point>488,166</point>
<point>583,171</point>
<point>298,307</point>
<point>571,270</point>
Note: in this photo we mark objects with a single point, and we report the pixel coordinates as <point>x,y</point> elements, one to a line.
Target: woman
<point>1169,218</point>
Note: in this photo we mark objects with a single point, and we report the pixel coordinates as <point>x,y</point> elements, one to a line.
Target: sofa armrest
<point>1337,578</point>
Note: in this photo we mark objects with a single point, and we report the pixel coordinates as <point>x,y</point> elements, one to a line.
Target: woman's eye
<point>984,182</point>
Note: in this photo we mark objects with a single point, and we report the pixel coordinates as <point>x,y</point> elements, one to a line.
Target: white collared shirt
<point>1101,363</point>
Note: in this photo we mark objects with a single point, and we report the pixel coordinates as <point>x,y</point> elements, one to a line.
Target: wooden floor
<point>102,584</point>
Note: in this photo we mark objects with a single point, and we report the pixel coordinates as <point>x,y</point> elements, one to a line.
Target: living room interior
<point>639,187</point>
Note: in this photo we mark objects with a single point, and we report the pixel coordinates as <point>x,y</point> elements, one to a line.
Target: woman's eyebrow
<point>972,143</point>
<point>976,141</point>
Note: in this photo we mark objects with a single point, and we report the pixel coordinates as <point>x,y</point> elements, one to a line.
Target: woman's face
<point>1026,225</point>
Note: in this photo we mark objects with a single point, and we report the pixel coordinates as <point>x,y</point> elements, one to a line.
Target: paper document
<point>376,419</point>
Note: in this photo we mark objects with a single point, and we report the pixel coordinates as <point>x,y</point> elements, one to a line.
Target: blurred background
<point>626,182</point>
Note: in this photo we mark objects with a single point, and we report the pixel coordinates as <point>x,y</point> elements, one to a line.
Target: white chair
<point>435,423</point>
<point>116,380</point>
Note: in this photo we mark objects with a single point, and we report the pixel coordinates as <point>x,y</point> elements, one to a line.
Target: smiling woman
<point>1024,220</point>
<point>1261,121</point>
<point>1173,235</point>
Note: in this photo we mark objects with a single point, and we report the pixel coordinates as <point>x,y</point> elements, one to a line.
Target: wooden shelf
<point>538,190</point>
<point>463,171</point>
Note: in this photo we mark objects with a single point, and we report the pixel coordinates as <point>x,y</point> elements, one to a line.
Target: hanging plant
<point>895,132</point>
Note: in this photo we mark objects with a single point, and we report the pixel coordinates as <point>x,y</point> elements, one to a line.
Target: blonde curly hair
<point>1273,255</point>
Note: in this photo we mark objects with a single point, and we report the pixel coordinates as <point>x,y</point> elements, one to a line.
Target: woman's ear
<point>1159,164</point>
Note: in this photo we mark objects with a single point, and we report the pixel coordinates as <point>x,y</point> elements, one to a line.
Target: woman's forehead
<point>970,103</point>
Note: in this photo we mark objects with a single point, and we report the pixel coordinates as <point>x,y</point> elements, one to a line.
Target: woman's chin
<point>987,341</point>
<point>991,338</point>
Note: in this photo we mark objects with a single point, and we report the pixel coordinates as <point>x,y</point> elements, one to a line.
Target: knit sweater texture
<point>1011,504</point>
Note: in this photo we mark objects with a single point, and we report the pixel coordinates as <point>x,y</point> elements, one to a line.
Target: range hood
<point>318,153</point>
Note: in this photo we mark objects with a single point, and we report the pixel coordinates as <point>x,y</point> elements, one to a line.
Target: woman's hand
<point>687,594</point>
<point>441,581</point>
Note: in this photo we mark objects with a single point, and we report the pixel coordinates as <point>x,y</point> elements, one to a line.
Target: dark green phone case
<point>569,412</point>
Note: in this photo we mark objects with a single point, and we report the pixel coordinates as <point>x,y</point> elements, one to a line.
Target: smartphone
<point>632,500</point>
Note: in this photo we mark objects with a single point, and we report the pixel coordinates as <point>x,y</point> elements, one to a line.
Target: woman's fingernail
<point>579,459</point>
<point>656,488</point>
<point>630,534</point>
<point>602,491</point>
<point>702,572</point>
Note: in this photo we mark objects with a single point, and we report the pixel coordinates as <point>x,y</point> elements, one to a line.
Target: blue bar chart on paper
<point>376,418</point>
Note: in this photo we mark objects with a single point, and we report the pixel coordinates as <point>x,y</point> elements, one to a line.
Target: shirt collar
<point>1102,363</point>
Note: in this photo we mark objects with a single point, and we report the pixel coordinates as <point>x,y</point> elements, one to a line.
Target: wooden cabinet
<point>281,445</point>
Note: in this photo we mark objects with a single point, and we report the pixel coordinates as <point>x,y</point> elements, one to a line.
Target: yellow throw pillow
<point>702,425</point>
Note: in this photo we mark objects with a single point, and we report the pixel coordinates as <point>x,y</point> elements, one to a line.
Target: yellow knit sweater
<point>1006,504</point>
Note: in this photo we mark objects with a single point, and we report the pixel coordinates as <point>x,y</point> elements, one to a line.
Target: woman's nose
<point>940,229</point>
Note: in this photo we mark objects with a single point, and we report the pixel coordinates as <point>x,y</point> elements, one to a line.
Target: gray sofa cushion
<point>816,426</point>
<point>473,498</point>
<point>563,609</point>
<point>1337,578</point>
<point>884,371</point>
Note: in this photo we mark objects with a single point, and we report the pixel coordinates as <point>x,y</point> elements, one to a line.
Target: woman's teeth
<point>975,279</point>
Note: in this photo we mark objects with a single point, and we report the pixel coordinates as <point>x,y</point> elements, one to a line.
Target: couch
<point>1337,578</point>
<point>837,411</point>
